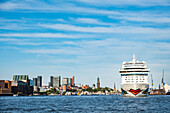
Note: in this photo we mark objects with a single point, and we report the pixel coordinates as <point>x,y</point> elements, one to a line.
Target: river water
<point>85,104</point>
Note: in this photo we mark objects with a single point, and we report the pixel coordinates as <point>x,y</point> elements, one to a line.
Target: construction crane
<point>152,81</point>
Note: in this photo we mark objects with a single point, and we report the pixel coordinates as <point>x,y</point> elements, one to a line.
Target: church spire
<point>114,87</point>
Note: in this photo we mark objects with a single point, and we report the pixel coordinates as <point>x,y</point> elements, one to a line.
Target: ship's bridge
<point>134,67</point>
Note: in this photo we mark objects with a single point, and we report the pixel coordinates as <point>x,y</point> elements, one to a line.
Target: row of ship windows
<point>134,74</point>
<point>136,79</point>
<point>133,81</point>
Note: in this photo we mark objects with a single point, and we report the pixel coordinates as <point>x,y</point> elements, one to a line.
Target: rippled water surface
<point>112,103</point>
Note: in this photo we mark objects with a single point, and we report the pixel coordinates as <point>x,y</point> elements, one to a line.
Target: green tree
<point>98,89</point>
<point>103,90</point>
<point>95,90</point>
<point>57,92</point>
<point>73,90</point>
<point>64,93</point>
<point>53,90</point>
<point>89,89</point>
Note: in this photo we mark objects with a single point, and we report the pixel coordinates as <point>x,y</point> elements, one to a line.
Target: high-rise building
<point>65,81</point>
<point>98,82</point>
<point>35,81</point>
<point>31,82</point>
<point>39,81</point>
<point>55,81</point>
<point>73,84</point>
<point>70,81</point>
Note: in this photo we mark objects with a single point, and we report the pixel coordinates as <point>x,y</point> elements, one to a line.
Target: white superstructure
<point>134,76</point>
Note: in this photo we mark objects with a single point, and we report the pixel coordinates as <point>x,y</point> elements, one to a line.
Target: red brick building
<point>5,88</point>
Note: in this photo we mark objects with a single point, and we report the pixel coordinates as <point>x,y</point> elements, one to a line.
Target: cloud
<point>116,29</point>
<point>146,18</point>
<point>47,35</point>
<point>127,2</point>
<point>8,39</point>
<point>52,35</point>
<point>31,42</point>
<point>90,21</point>
<point>11,20</point>
<point>66,51</point>
<point>15,26</point>
<point>71,6</point>
<point>105,47</point>
<point>40,6</point>
<point>8,5</point>
<point>9,47</point>
<point>61,20</point>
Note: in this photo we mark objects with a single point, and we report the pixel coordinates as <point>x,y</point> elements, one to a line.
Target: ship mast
<point>133,58</point>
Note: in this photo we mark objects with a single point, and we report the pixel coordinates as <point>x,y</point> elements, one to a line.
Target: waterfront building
<point>35,88</point>
<point>134,77</point>
<point>44,88</point>
<point>98,82</point>
<point>64,87</point>
<point>21,85</point>
<point>69,81</point>
<point>5,88</point>
<point>78,84</point>
<point>23,78</point>
<point>157,92</point>
<point>76,88</point>
<point>167,88</point>
<point>35,81</point>
<point>65,81</point>
<point>85,86</point>
<point>31,82</point>
<point>73,84</point>
<point>39,81</point>
<point>55,81</point>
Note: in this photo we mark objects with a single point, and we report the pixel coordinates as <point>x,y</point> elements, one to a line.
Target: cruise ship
<point>134,77</point>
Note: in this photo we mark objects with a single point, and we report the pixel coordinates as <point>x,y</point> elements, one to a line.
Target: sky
<point>83,38</point>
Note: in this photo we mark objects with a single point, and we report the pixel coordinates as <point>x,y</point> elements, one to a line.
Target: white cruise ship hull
<point>134,90</point>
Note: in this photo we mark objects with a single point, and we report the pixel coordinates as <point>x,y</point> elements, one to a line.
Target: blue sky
<point>84,38</point>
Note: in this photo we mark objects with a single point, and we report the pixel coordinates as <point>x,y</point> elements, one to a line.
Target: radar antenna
<point>133,58</point>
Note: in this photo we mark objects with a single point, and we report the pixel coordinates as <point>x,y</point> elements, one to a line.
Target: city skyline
<point>83,38</point>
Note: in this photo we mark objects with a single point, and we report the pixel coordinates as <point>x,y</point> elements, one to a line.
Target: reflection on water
<point>114,103</point>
